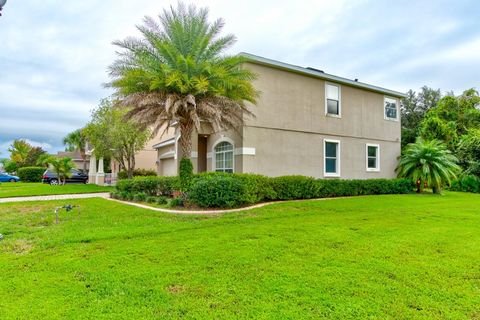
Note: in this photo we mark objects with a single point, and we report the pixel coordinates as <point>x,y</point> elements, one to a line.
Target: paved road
<point>56,197</point>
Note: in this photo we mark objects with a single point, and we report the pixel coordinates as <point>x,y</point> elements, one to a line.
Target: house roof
<point>312,72</point>
<point>164,143</point>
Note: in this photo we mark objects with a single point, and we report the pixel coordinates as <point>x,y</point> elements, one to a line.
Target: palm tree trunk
<point>84,158</point>
<point>437,190</point>
<point>186,129</point>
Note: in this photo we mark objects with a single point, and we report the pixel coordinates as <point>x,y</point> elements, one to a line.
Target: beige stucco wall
<point>297,102</point>
<point>290,126</point>
<point>288,132</point>
<point>234,137</point>
<point>280,152</point>
<point>147,158</point>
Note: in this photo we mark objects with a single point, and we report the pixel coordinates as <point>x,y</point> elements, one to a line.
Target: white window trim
<point>377,169</point>
<point>329,174</point>
<point>214,160</point>
<point>339,100</point>
<point>396,105</point>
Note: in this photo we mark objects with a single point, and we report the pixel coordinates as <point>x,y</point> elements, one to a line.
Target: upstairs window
<point>332,103</point>
<point>391,110</point>
<point>331,151</point>
<point>224,157</point>
<point>373,157</point>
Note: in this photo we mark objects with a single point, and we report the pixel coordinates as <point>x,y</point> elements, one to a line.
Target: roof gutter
<point>317,74</point>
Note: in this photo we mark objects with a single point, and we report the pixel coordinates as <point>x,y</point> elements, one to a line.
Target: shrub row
<point>234,190</point>
<point>151,186</point>
<point>31,174</point>
<point>137,173</point>
<point>226,190</point>
<point>467,183</point>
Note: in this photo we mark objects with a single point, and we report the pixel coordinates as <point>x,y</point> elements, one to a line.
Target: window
<point>331,151</point>
<point>391,112</point>
<point>332,103</point>
<point>224,157</point>
<point>373,157</point>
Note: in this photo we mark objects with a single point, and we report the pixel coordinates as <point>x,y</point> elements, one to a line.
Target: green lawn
<point>40,189</point>
<point>377,257</point>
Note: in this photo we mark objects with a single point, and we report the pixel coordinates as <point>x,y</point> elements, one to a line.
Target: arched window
<point>224,157</point>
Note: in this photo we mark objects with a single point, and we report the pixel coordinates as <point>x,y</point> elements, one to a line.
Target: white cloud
<point>54,54</point>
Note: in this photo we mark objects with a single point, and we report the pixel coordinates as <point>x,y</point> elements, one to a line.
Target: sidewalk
<point>56,197</point>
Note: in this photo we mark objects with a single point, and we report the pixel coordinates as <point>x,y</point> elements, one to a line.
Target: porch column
<point>92,170</point>
<point>100,179</point>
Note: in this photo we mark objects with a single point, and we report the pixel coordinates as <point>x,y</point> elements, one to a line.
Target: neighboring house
<point>76,158</point>
<point>307,123</point>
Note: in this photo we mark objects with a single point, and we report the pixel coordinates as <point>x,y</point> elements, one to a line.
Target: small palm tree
<point>178,72</point>
<point>76,141</point>
<point>62,167</point>
<point>44,160</point>
<point>428,162</point>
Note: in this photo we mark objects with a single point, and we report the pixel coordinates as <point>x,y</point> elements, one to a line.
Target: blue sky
<point>54,54</point>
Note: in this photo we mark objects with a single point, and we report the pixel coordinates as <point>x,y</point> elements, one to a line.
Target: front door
<point>202,154</point>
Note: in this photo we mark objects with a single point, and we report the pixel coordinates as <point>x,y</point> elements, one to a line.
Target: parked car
<point>8,178</point>
<point>76,176</point>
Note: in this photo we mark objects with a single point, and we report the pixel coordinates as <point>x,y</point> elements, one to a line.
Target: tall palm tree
<point>76,141</point>
<point>178,72</point>
<point>430,162</point>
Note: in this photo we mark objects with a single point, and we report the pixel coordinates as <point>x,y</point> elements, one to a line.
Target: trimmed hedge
<point>225,190</point>
<point>31,174</point>
<point>137,173</point>
<point>151,186</point>
<point>235,190</point>
<point>218,191</point>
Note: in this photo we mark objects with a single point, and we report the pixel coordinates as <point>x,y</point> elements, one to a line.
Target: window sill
<point>331,115</point>
<point>331,175</point>
<point>391,119</point>
<point>373,170</point>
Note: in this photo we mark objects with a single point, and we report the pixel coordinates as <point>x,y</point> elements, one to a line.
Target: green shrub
<point>233,190</point>
<point>217,191</point>
<point>152,186</point>
<point>140,196</point>
<point>344,188</point>
<point>162,200</point>
<point>151,199</point>
<point>31,174</point>
<point>176,202</point>
<point>185,174</point>
<point>257,188</point>
<point>137,173</point>
<point>294,187</point>
<point>467,183</point>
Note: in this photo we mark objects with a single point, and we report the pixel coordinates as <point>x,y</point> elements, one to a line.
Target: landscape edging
<point>220,211</point>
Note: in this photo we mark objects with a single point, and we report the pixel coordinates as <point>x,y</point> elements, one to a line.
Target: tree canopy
<point>111,135</point>
<point>178,72</point>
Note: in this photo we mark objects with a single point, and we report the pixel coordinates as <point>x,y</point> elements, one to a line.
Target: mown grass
<point>21,189</point>
<point>376,257</point>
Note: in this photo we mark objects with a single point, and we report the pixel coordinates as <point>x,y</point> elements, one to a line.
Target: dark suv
<point>76,176</point>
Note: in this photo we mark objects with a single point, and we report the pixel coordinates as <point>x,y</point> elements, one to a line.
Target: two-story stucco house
<point>307,122</point>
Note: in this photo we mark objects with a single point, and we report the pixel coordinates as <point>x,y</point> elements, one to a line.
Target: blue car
<point>8,178</point>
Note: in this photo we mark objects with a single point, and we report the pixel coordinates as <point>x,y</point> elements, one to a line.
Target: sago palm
<point>178,72</point>
<point>428,162</point>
